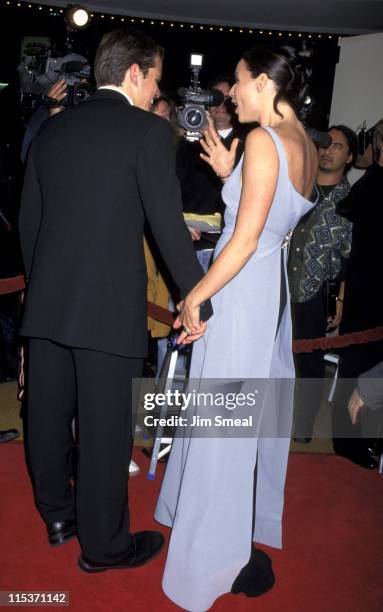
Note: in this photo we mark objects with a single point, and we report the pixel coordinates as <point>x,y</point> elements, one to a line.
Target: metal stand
<point>332,358</point>
<point>166,379</point>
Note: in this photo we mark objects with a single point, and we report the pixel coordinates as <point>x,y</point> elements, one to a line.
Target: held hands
<point>217,156</point>
<point>189,319</point>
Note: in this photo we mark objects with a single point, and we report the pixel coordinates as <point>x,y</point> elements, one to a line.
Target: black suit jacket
<point>94,173</point>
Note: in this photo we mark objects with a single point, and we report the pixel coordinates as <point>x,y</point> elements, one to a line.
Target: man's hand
<point>195,233</point>
<point>355,405</point>
<point>184,337</point>
<point>333,322</point>
<point>217,156</point>
<point>57,92</point>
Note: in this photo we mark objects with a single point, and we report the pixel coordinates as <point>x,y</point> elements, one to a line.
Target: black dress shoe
<point>8,434</point>
<point>363,458</point>
<point>146,546</point>
<point>61,532</point>
<point>302,440</point>
<point>255,578</point>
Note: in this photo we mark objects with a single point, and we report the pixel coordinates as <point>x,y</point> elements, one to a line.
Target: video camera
<point>38,71</point>
<point>192,117</point>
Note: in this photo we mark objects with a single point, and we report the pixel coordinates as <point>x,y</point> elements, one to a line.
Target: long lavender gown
<point>207,494</point>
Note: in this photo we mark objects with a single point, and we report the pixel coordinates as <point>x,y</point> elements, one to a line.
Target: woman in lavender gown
<point>210,495</point>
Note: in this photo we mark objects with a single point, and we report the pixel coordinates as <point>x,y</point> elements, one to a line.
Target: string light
<point>55,11</point>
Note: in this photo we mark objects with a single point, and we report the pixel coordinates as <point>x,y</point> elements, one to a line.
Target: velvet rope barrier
<point>16,283</point>
<point>11,285</point>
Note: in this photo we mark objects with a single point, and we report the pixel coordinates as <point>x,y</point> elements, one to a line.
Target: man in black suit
<point>94,173</point>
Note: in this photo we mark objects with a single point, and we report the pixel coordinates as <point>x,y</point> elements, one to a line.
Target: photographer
<point>363,305</point>
<point>200,185</point>
<point>56,93</point>
<point>319,252</point>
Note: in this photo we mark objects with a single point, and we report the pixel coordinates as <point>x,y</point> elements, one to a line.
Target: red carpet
<point>331,562</point>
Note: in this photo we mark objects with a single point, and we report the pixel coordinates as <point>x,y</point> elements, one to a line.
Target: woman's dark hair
<point>352,142</point>
<point>120,49</point>
<point>287,68</point>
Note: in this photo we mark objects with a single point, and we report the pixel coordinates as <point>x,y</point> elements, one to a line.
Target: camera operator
<point>201,187</point>
<point>56,93</point>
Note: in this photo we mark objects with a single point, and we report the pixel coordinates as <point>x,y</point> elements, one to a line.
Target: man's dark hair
<point>120,49</point>
<point>352,142</point>
<point>221,78</point>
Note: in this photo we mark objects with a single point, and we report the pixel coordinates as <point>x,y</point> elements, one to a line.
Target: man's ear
<point>134,74</point>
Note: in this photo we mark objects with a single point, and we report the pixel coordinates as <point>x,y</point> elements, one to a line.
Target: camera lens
<point>194,118</point>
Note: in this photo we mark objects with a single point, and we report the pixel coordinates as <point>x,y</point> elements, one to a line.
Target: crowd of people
<point>103,211</point>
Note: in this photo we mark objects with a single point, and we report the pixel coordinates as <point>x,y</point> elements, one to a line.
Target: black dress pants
<point>63,381</point>
<point>351,440</point>
<point>309,321</point>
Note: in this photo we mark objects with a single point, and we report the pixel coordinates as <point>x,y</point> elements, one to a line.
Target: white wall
<point>358,85</point>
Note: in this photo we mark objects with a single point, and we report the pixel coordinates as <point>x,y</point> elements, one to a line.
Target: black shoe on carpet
<point>6,435</point>
<point>302,440</point>
<point>364,458</point>
<point>146,546</point>
<point>256,577</point>
<point>61,532</point>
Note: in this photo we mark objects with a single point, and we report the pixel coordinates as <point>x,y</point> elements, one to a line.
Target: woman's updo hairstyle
<point>287,68</point>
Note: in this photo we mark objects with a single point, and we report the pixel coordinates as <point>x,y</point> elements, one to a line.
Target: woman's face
<point>244,94</point>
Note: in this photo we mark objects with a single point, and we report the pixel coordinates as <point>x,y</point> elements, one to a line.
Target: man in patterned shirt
<point>319,251</point>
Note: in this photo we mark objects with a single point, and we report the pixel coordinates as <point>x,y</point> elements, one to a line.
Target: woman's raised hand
<point>216,155</point>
